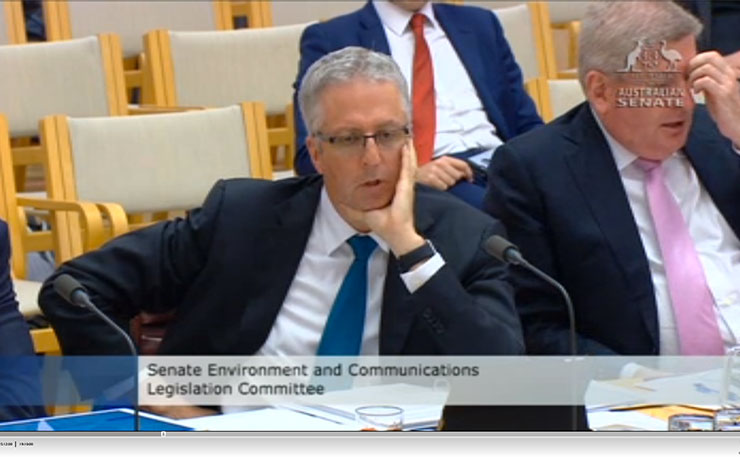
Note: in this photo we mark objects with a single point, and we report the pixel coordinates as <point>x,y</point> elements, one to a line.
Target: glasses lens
<point>390,139</point>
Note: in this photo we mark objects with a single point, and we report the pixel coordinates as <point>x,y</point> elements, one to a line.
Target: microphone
<point>507,252</point>
<point>73,292</point>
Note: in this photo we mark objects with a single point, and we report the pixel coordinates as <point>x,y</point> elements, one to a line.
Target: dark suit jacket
<point>561,198</point>
<point>227,268</point>
<point>20,390</point>
<point>721,20</point>
<point>479,41</point>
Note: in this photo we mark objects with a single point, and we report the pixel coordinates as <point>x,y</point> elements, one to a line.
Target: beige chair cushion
<point>567,11</point>
<point>519,31</point>
<point>564,95</point>
<point>159,162</point>
<point>133,19</point>
<point>300,12</point>
<point>222,68</point>
<point>40,79</point>
<point>27,294</point>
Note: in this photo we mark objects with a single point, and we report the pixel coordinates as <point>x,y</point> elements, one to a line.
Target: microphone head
<point>65,285</point>
<point>500,248</point>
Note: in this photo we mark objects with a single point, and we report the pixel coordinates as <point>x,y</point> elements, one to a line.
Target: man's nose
<point>370,151</point>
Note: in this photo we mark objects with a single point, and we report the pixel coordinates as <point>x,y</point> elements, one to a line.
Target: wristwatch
<point>424,252</point>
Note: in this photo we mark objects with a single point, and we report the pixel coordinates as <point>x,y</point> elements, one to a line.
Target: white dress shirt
<point>300,323</point>
<point>716,244</point>
<point>462,123</point>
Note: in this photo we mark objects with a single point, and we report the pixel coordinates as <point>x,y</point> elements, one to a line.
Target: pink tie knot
<point>648,165</point>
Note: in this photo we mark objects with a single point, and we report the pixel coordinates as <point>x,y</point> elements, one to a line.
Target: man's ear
<point>597,91</point>
<point>312,143</point>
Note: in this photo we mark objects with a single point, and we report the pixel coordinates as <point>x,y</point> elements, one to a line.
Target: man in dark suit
<point>477,99</point>
<point>256,269</point>
<point>20,391</point>
<point>579,198</point>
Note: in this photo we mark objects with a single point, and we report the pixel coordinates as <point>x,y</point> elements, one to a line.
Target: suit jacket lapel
<point>372,34</point>
<point>280,250</point>
<point>398,312</point>
<point>467,47</point>
<point>593,169</point>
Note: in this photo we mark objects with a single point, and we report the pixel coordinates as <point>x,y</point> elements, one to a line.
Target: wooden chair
<point>556,96</point>
<point>12,25</point>
<point>221,68</point>
<point>22,241</point>
<point>80,77</point>
<point>152,164</point>
<point>562,21</point>
<point>67,19</point>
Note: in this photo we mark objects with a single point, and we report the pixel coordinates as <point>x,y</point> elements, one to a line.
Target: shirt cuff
<point>418,277</point>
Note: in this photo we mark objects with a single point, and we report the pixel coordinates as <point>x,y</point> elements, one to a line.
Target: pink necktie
<point>693,305</point>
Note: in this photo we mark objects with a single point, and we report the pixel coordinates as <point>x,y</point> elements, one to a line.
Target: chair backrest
<point>523,31</point>
<point>12,26</point>
<point>223,68</point>
<point>300,12</point>
<point>567,11</point>
<point>564,95</point>
<point>557,96</point>
<point>163,162</point>
<point>80,77</point>
<point>130,20</point>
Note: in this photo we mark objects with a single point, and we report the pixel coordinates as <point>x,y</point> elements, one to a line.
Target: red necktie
<point>425,116</point>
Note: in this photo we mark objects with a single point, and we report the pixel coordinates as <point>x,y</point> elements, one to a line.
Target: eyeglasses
<point>355,142</point>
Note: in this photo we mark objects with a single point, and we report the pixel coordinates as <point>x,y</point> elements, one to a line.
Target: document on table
<point>267,419</point>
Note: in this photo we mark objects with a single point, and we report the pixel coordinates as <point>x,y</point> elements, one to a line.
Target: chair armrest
<point>89,214</point>
<point>116,216</point>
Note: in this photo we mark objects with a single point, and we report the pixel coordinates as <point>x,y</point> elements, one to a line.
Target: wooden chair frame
<point>22,241</point>
<point>15,22</point>
<point>546,27</point>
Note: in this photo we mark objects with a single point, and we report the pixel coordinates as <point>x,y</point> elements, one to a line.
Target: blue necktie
<point>343,331</point>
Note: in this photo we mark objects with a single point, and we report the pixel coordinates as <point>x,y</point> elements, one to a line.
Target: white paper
<point>266,419</point>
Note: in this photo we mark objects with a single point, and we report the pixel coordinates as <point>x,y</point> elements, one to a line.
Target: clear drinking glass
<point>380,418</point>
<point>691,423</point>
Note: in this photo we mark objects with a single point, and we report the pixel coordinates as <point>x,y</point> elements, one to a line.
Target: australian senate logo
<point>652,77</point>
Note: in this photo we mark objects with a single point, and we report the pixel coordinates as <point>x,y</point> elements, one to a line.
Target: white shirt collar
<point>623,157</point>
<point>397,19</point>
<point>332,230</point>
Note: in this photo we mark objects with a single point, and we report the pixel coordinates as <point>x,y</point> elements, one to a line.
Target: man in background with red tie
<point>466,88</point>
<point>631,199</point>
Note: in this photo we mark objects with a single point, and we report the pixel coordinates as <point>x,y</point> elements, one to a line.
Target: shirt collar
<point>623,157</point>
<point>332,230</point>
<point>397,19</point>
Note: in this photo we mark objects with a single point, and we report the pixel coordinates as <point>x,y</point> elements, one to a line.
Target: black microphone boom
<point>73,292</point>
<point>507,252</point>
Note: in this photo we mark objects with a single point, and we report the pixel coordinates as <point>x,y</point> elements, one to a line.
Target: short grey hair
<point>343,66</point>
<point>609,31</point>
